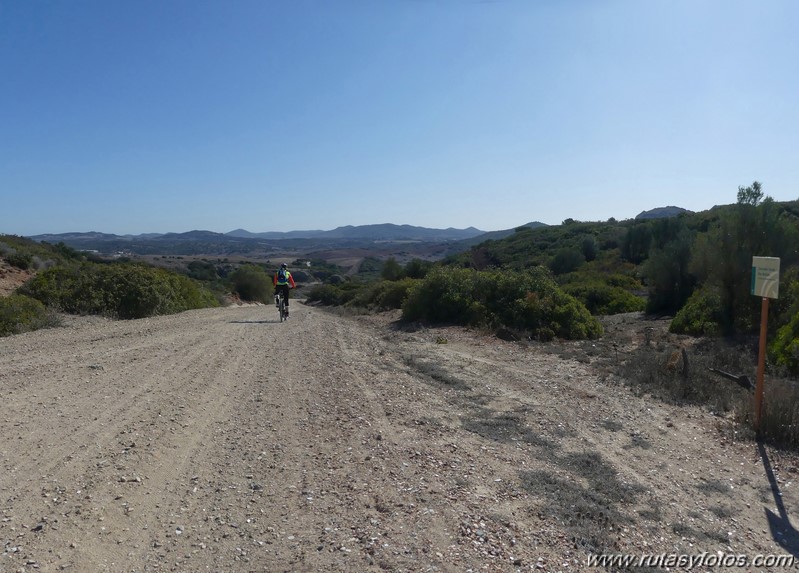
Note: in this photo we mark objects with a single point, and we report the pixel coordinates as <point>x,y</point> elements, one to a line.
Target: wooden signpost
<point>765,284</point>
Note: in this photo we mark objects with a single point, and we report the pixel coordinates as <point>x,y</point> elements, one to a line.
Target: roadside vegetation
<point>551,281</point>
<point>537,284</point>
<point>19,313</point>
<point>65,280</point>
<point>123,290</point>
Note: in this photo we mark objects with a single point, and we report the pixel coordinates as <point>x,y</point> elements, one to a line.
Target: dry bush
<point>659,371</point>
<point>780,415</point>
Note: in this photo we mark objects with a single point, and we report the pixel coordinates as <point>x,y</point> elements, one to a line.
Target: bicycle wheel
<point>282,309</point>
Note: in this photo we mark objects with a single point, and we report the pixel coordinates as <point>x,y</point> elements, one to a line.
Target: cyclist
<point>283,281</point>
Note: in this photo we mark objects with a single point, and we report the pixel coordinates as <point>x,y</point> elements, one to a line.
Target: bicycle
<point>282,309</point>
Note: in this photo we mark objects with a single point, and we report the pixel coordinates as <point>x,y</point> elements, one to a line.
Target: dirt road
<point>221,440</point>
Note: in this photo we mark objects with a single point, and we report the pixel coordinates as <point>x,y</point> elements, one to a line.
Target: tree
<point>667,274</point>
<point>723,256</point>
<point>589,247</point>
<point>252,283</point>
<point>392,270</point>
<point>751,195</point>
<point>635,245</point>
<point>417,268</point>
<point>566,260</point>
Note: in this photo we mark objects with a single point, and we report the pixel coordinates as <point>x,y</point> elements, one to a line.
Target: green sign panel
<point>766,276</point>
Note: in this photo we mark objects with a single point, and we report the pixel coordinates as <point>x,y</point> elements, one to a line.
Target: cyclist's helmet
<point>283,266</point>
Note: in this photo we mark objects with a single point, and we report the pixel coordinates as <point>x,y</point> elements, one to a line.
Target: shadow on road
<point>254,321</point>
<point>782,531</point>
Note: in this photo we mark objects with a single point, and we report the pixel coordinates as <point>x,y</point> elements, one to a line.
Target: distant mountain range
<point>405,238</point>
<point>243,242</point>
<point>384,232</point>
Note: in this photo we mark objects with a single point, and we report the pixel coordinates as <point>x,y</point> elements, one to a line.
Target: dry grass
<point>653,370</point>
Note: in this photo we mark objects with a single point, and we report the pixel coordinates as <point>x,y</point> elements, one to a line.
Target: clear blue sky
<point>271,115</point>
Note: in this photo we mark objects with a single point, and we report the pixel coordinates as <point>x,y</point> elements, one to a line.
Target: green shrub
<point>328,295</point>
<point>26,253</point>
<point>202,271</point>
<point>417,268</point>
<point>589,248</point>
<point>528,301</point>
<point>391,295</point>
<point>383,295</point>
<point>666,270</point>
<point>785,348</point>
<point>785,311</point>
<point>20,260</point>
<point>603,299</point>
<point>252,283</point>
<point>64,288</point>
<point>701,315</point>
<point>448,295</point>
<point>566,260</point>
<point>20,313</point>
<point>340,294</point>
<point>626,282</point>
<point>392,270</point>
<point>554,314</point>
<point>118,290</point>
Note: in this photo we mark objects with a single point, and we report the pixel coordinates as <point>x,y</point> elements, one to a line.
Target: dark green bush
<point>670,284</point>
<point>392,270</point>
<point>722,257</point>
<point>118,290</point>
<point>602,299</point>
<point>252,283</point>
<point>392,294</point>
<point>20,260</point>
<point>30,253</point>
<point>202,271</point>
<point>589,248</point>
<point>328,295</point>
<point>383,295</point>
<point>379,295</point>
<point>554,313</point>
<point>785,311</point>
<point>447,295</point>
<point>702,314</point>
<point>785,348</point>
<point>528,301</point>
<point>566,261</point>
<point>66,288</point>
<point>417,268</point>
<point>370,268</point>
<point>626,282</point>
<point>20,313</point>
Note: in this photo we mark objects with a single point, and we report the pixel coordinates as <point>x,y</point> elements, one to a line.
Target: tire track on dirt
<point>121,383</point>
<point>158,402</point>
<point>167,444</point>
<point>223,440</point>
